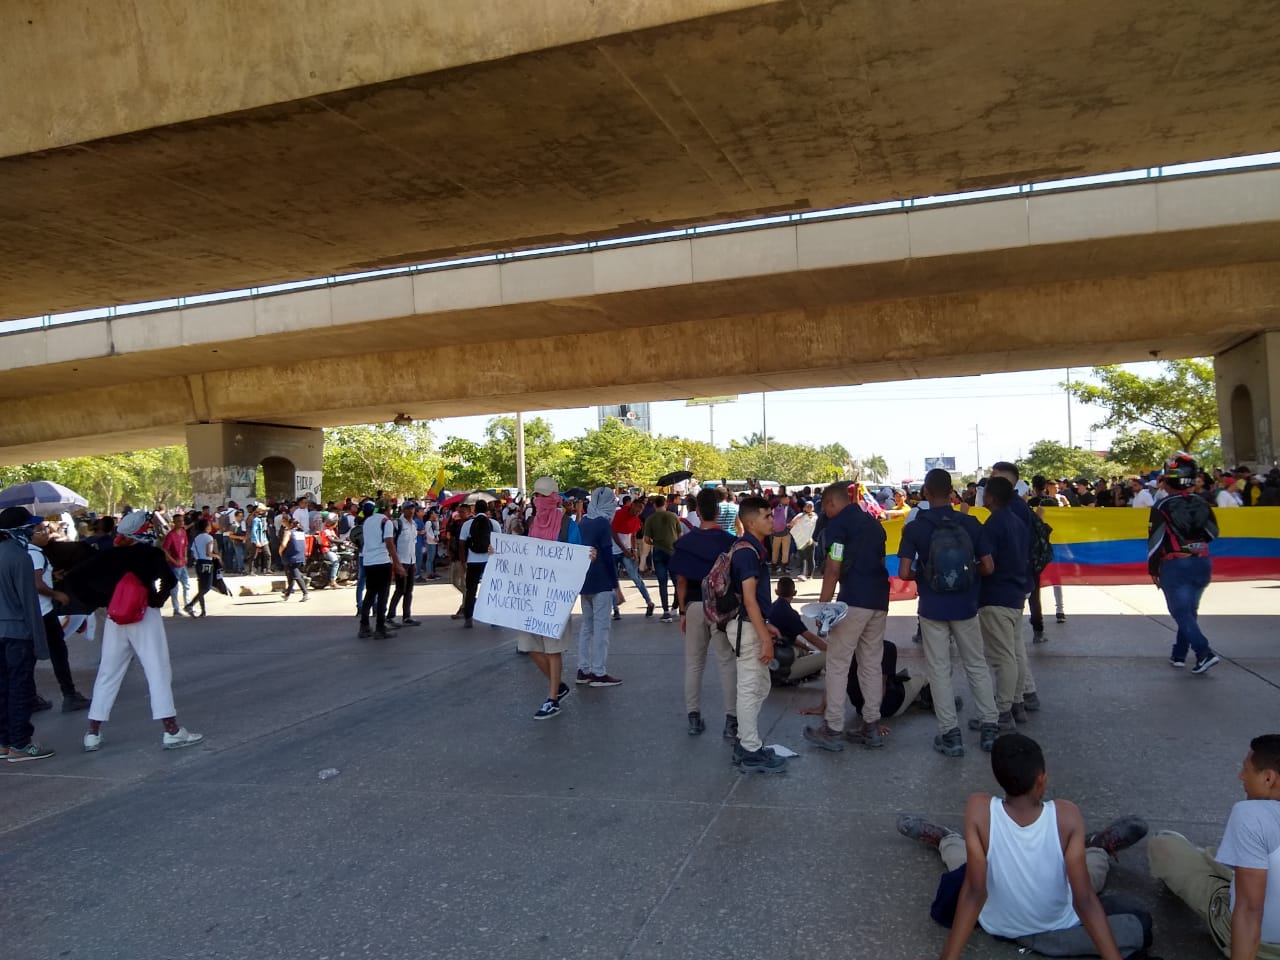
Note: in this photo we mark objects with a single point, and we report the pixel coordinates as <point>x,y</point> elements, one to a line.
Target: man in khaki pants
<point>854,543</point>
<point>1228,888</point>
<point>1001,598</point>
<point>691,560</point>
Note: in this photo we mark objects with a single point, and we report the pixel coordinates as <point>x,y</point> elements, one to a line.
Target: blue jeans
<point>660,560</point>
<point>629,564</point>
<point>183,581</point>
<point>1183,582</point>
<point>17,690</point>
<point>359,584</point>
<point>429,570</point>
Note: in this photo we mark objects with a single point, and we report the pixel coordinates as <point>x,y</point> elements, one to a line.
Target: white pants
<point>120,644</point>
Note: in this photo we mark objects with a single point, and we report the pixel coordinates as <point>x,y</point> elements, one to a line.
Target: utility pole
<point>1070,442</point>
<point>764,421</point>
<point>520,478</point>
<point>711,419</point>
<point>977,451</point>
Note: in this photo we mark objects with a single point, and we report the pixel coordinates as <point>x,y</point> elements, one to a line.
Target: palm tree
<point>756,439</point>
<point>877,467</point>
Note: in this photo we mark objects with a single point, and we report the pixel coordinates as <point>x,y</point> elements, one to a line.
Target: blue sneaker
<point>548,710</point>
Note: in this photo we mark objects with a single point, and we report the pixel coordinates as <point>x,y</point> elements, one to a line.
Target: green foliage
<point>788,463</point>
<point>493,463</point>
<point>704,460</point>
<point>1181,403</point>
<point>875,468</point>
<point>1053,459</point>
<point>613,454</point>
<point>361,459</point>
<point>1140,451</point>
<point>157,476</point>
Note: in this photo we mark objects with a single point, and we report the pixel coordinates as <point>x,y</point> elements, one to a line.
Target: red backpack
<point>720,602</point>
<point>128,601</point>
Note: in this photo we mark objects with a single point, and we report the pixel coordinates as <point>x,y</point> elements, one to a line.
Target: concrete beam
<point>572,134</point>
<point>1047,325</point>
<point>108,67</point>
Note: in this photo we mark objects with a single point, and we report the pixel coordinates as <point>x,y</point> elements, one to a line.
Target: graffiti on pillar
<point>308,485</point>
<point>242,476</point>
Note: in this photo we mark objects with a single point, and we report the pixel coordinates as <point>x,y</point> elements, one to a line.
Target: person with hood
<point>549,522</point>
<point>596,529</point>
<point>22,638</point>
<point>94,583</point>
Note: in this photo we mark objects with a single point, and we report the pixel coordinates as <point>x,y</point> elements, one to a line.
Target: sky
<point>902,422</point>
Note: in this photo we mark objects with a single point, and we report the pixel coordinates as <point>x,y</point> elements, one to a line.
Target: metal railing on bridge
<point>1174,171</point>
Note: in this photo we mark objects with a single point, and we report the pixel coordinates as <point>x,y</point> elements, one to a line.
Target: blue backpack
<point>952,566</point>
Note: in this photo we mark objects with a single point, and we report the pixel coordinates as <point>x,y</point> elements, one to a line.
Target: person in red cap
<point>95,582</point>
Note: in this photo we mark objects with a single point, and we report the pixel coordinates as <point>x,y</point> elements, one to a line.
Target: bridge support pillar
<point>225,458</point>
<point>1248,382</point>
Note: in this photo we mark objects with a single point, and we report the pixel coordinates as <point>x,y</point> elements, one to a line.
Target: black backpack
<point>478,537</point>
<point>952,566</point>
<point>1041,550</point>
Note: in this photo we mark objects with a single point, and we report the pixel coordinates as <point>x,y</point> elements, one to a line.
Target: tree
<point>1140,451</point>
<point>361,459</point>
<point>1182,402</point>
<point>493,463</point>
<point>152,477</point>
<point>613,454</point>
<point>702,459</point>
<point>876,467</point>
<point>1052,459</point>
<point>787,463</point>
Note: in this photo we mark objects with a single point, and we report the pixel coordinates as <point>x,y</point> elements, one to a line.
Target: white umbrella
<point>42,497</point>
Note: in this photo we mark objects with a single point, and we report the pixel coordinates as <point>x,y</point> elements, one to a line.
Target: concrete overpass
<point>1160,268</point>
<point>157,148</point>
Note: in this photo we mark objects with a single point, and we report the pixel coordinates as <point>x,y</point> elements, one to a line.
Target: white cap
<point>545,487</point>
<point>132,522</point>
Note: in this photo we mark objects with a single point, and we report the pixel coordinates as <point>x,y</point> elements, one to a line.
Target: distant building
<point>634,415</point>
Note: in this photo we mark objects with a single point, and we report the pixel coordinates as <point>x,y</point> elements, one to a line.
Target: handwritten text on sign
<point>530,584</point>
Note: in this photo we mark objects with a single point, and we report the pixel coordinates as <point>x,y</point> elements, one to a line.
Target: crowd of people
<point>715,557</point>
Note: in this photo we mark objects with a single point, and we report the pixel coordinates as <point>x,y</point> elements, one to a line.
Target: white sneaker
<point>174,741</point>
<point>92,741</point>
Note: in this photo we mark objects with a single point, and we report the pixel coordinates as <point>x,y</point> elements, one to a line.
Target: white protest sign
<point>531,584</point>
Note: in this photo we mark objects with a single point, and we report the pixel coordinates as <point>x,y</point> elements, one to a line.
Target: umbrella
<point>475,496</point>
<point>667,479</point>
<point>451,501</point>
<point>576,493</point>
<point>42,497</point>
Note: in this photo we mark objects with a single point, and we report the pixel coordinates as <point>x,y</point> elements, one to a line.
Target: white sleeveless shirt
<point>1027,889</point>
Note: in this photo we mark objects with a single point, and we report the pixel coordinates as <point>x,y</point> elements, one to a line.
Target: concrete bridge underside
<point>157,148</point>
<point>999,285</point>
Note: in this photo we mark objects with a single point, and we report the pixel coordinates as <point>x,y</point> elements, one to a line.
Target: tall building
<point>634,415</point>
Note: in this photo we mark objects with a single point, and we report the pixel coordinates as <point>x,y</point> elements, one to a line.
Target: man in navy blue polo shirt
<point>752,637</point>
<point>854,544</point>
<point>694,555</point>
<point>1002,597</point>
<point>1027,698</point>
<point>948,583</point>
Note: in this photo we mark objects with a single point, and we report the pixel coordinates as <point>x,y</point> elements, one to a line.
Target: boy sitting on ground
<point>1030,874</point>
<point>806,653</point>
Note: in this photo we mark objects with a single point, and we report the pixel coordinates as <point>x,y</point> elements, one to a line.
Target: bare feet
<point>817,711</point>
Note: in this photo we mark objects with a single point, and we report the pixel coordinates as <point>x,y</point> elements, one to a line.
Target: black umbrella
<point>667,479</point>
<point>576,493</point>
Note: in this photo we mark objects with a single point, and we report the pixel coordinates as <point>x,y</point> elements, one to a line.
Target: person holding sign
<point>549,522</point>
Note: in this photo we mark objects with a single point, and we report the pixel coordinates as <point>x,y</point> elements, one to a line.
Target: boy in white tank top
<point>1030,872</point>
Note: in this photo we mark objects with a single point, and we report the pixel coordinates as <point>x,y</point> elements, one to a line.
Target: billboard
<point>940,463</point>
<point>634,415</point>
<point>705,401</point>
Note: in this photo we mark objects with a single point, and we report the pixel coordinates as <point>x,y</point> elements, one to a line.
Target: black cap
<point>15,517</point>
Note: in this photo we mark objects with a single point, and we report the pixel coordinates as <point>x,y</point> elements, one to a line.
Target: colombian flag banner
<point>1105,546</point>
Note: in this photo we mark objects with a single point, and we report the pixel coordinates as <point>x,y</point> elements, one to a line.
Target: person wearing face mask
<point>549,521</point>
